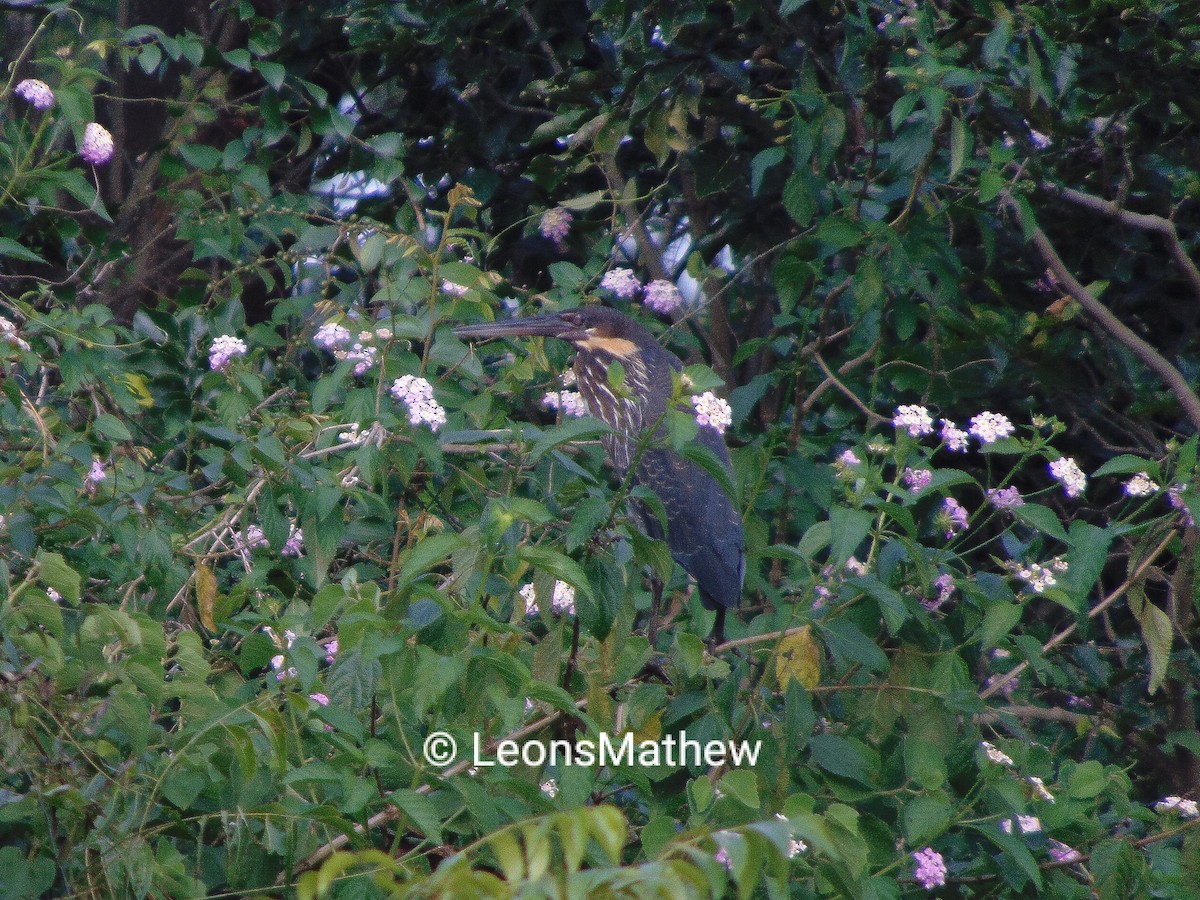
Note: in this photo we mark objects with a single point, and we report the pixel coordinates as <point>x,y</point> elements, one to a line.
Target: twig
<point>1117,329</point>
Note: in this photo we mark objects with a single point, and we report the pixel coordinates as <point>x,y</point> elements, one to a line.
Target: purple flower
<point>295,542</point>
<point>95,475</point>
<point>97,145</point>
<point>331,335</point>
<point>223,350</point>
<point>953,517</point>
<point>36,93</point>
<point>319,698</point>
<point>711,410</point>
<point>945,590</point>
<point>931,868</point>
<point>916,480</point>
<point>1175,498</point>
<point>662,296</point>
<point>555,225</point>
<point>621,282</point>
<point>1006,498</point>
<point>953,436</point>
<point>571,403</point>
<point>914,419</point>
<point>1060,852</point>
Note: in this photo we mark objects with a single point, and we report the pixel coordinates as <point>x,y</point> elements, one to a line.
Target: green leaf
<point>1128,464</point>
<point>1157,634</point>
<point>998,621</point>
<point>422,810</point>
<point>849,527</point>
<point>9,247</point>
<point>55,573</point>
<point>584,428</point>
<point>891,604</point>
<point>1085,561</point>
<point>428,552</point>
<point>1043,519</point>
<point>112,427</point>
<point>742,786</point>
<point>925,818</point>
<point>839,756</point>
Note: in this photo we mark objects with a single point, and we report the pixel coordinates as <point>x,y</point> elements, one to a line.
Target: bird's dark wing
<point>704,530</point>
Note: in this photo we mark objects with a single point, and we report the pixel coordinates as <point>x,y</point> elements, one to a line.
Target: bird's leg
<point>656,592</point>
<point>717,636</point>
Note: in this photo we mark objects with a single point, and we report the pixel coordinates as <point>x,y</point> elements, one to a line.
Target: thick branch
<point>1159,364</point>
<point>1141,221</point>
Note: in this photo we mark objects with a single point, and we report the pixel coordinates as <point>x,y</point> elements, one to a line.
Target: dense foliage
<point>268,528</point>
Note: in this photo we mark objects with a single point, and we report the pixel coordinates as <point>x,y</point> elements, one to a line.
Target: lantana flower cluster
<point>223,351</point>
<point>345,345</point>
<point>417,394</point>
<point>712,411</point>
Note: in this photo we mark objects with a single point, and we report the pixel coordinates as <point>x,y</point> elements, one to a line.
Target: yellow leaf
<point>206,595</point>
<point>799,658</point>
<point>139,387</point>
<point>651,729</point>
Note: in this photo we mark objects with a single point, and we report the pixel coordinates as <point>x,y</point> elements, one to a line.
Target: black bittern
<point>702,529</point>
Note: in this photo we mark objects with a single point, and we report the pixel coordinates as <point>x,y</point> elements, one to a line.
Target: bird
<point>703,529</point>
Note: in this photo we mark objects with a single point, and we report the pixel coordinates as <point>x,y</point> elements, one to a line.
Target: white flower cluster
<point>990,427</point>
<point>1039,788</point>
<point>562,602</point>
<point>10,335</point>
<point>995,754</point>
<point>1040,577</point>
<point>712,411</point>
<point>914,419</point>
<point>1025,825</point>
<point>417,394</point>
<point>1072,477</point>
<point>570,403</point>
<point>1140,485</point>
<point>331,336</point>
<point>1186,808</point>
<point>335,337</point>
<point>223,350</point>
<point>95,475</point>
<point>279,661</point>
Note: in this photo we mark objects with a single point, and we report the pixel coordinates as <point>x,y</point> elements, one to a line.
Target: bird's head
<point>588,328</point>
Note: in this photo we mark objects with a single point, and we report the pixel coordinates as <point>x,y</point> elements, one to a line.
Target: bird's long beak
<point>535,326</point>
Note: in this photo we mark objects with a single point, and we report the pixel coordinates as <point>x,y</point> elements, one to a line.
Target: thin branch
<point>1171,376</point>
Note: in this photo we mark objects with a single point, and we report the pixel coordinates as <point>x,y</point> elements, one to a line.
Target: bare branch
<point>1104,317</point>
<point>1141,221</point>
